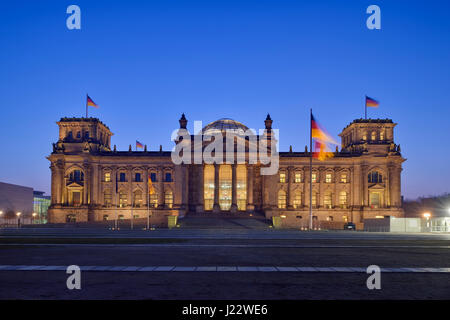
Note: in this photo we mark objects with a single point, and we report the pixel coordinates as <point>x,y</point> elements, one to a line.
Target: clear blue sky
<point>146,62</point>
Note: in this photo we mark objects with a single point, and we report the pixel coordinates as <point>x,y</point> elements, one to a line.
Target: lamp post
<point>427,216</point>
<point>34,214</point>
<point>1,216</point>
<point>18,219</point>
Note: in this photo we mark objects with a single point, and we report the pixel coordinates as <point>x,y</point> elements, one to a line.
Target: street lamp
<point>18,219</point>
<point>34,214</point>
<point>427,216</point>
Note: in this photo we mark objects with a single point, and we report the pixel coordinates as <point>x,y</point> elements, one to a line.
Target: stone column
<point>365,185</point>
<point>114,191</point>
<point>54,188</point>
<point>200,186</point>
<point>160,188</point>
<point>290,198</point>
<point>216,207</point>
<point>130,188</point>
<point>233,189</point>
<point>87,172</point>
<point>250,205</point>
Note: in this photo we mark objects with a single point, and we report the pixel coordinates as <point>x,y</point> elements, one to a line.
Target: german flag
<point>372,102</point>
<point>320,151</point>
<point>317,132</point>
<point>90,102</point>
<point>151,189</point>
<point>139,145</point>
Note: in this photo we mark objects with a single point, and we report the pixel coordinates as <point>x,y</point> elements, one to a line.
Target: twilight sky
<point>145,63</point>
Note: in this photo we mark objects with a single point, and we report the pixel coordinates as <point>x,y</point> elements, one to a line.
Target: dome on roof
<point>222,125</point>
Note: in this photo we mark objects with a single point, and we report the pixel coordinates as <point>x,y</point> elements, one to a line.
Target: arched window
<point>168,199</point>
<point>375,177</point>
<point>282,199</point>
<point>328,178</point>
<point>297,203</point>
<point>137,198</point>
<point>374,136</point>
<point>382,135</point>
<point>76,176</point>
<point>364,136</point>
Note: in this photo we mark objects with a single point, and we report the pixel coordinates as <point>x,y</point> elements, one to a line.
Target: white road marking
<point>28,268</point>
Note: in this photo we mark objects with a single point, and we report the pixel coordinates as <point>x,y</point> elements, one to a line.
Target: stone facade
<point>92,181</point>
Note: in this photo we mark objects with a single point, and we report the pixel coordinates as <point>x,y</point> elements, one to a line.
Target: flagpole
<point>148,207</point>
<point>115,219</point>
<point>132,214</point>
<point>310,171</point>
<point>86,105</point>
<point>365,108</point>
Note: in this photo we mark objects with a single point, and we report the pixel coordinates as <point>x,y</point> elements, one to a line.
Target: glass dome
<point>222,125</point>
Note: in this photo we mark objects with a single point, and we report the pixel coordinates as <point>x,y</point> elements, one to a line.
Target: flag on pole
<point>321,149</point>
<point>139,145</point>
<point>318,133</point>
<point>90,102</point>
<point>372,102</point>
<point>151,189</point>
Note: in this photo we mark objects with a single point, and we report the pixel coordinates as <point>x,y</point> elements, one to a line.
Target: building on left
<point>32,205</point>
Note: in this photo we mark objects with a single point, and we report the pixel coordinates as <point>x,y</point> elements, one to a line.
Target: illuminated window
<point>208,178</point>
<point>71,218</point>
<point>282,177</point>
<point>381,135</point>
<point>375,177</point>
<point>298,177</point>
<point>343,199</point>
<point>345,218</point>
<point>374,200</point>
<point>364,136</point>
<point>123,199</point>
<point>344,178</point>
<point>282,199</point>
<point>297,203</point>
<point>330,218</point>
<point>314,177</point>
<point>105,217</point>
<point>137,198</point>
<point>168,199</point>
<point>107,197</point>
<point>241,187</point>
<point>327,200</point>
<point>107,176</point>
<point>153,200</point>
<point>328,178</point>
<point>374,135</point>
<point>225,178</point>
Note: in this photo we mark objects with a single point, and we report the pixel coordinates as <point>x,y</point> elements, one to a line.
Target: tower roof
<point>222,125</point>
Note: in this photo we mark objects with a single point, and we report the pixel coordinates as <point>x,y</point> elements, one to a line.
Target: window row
<point>137,199</point>
<point>138,177</point>
<point>328,178</point>
<point>297,199</point>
